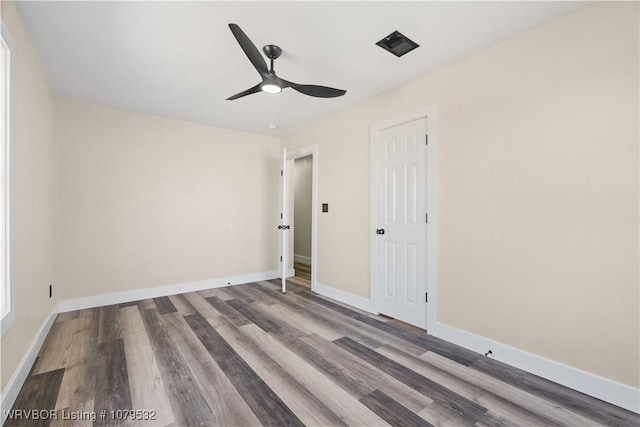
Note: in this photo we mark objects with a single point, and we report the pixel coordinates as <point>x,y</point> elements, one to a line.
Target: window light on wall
<point>6,311</point>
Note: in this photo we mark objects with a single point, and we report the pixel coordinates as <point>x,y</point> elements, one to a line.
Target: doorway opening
<point>302,177</point>
<point>299,209</point>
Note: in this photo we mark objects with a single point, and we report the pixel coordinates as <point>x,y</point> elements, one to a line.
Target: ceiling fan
<point>271,83</point>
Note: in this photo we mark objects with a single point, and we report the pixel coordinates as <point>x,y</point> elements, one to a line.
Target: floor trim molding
<point>345,297</point>
<point>10,393</point>
<point>602,388</point>
<point>161,291</point>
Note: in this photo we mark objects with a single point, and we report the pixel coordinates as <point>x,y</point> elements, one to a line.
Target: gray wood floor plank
<point>112,387</point>
<point>304,322</point>
<point>56,349</point>
<point>165,306</point>
<point>129,304</point>
<point>183,306</point>
<point>201,306</point>
<point>439,414</point>
<point>222,293</point>
<point>588,406</point>
<point>454,380</point>
<point>188,405</point>
<point>70,315</point>
<point>340,401</point>
<point>147,386</point>
<point>411,334</point>
<point>325,317</point>
<point>147,304</point>
<point>361,332</point>
<point>492,420</point>
<point>40,392</point>
<point>391,411</point>
<point>242,293</point>
<point>228,407</point>
<point>265,404</point>
<point>78,384</point>
<point>456,403</point>
<point>254,315</point>
<point>309,408</point>
<point>228,311</point>
<point>534,404</point>
<point>350,371</point>
<point>109,329</point>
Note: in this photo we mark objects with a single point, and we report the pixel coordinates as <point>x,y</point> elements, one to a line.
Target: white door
<point>284,224</point>
<point>401,232</point>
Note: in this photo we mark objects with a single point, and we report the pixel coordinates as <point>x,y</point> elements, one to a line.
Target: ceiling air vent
<point>397,44</point>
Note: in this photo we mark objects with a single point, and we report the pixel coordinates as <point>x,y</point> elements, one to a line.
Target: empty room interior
<point>320,213</point>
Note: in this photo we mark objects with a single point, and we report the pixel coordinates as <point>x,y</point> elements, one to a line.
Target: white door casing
<point>402,257</point>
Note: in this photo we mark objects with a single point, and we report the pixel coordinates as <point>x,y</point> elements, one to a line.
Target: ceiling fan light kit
<point>270,88</point>
<point>271,83</point>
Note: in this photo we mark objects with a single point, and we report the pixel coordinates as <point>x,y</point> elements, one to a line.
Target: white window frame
<point>7,306</point>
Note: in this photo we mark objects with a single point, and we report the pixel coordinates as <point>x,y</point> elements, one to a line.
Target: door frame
<point>310,150</point>
<point>430,114</point>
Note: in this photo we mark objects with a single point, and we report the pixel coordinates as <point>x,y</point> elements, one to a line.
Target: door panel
<point>401,255</point>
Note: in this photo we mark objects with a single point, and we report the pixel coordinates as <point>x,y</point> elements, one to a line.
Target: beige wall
<point>537,191</point>
<point>33,203</point>
<point>146,201</point>
<point>303,186</point>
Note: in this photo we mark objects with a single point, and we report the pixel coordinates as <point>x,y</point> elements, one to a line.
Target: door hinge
<point>426,218</point>
<point>426,297</point>
<point>281,216</point>
<point>281,172</point>
<point>426,140</point>
<point>280,259</point>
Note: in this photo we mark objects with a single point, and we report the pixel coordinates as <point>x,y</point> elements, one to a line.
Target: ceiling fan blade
<point>315,90</point>
<point>250,49</point>
<point>254,89</point>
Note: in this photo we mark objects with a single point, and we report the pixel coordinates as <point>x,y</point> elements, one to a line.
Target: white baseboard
<point>10,393</point>
<point>290,272</point>
<point>345,297</point>
<point>605,389</point>
<point>161,291</point>
<point>302,259</point>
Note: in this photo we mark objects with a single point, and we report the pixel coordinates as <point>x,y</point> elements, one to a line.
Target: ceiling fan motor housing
<point>272,51</point>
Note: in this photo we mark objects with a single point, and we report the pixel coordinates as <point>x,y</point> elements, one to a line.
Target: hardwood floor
<point>248,355</point>
<point>303,275</point>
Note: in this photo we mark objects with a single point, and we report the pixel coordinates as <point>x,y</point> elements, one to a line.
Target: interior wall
<point>303,168</point>
<point>32,202</point>
<point>537,190</point>
<point>145,201</point>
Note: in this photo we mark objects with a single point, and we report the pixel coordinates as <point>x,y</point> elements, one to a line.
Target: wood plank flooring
<point>248,355</point>
<point>303,275</point>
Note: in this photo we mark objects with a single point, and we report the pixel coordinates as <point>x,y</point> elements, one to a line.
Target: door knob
<point>380,231</point>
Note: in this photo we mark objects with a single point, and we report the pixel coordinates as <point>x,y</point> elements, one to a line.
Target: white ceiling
<point>180,60</point>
